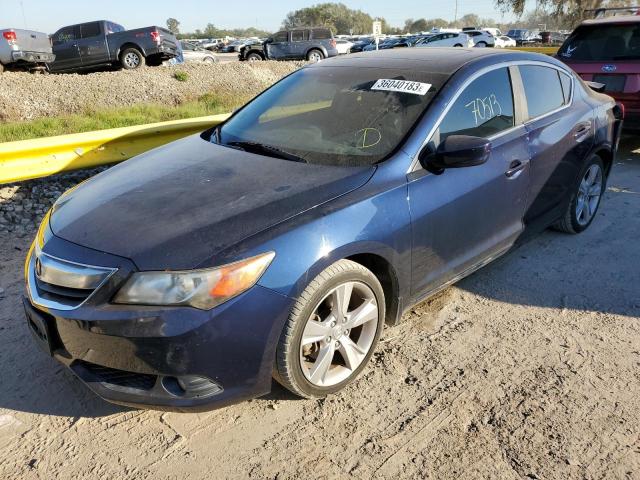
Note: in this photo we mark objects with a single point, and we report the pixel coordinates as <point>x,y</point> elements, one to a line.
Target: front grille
<point>120,378</point>
<point>58,293</point>
<point>62,284</point>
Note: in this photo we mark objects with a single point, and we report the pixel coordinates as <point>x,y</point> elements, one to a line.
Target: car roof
<point>613,20</point>
<point>434,59</point>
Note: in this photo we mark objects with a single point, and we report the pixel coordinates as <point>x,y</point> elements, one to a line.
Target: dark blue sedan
<point>281,242</point>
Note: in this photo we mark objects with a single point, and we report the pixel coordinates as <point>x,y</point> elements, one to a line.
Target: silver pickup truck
<point>24,49</point>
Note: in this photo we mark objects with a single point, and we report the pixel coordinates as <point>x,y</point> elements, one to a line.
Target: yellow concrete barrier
<point>27,159</point>
<point>545,50</point>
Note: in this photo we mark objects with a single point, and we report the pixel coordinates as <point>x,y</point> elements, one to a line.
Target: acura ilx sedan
<point>279,243</point>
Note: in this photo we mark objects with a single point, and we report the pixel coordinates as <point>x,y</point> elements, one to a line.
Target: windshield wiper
<point>255,147</point>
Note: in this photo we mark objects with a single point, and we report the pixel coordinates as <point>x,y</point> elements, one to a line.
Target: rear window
<point>321,34</point>
<point>89,30</point>
<point>603,43</point>
<point>542,88</point>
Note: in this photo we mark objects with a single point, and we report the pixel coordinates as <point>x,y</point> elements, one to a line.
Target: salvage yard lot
<point>526,369</point>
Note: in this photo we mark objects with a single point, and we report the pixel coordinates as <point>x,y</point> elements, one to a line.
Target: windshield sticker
<point>402,86</point>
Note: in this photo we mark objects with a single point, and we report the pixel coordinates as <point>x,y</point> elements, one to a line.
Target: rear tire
<point>131,59</point>
<point>332,331</point>
<point>481,44</point>
<point>586,196</point>
<point>457,45</point>
<point>315,55</point>
<point>209,60</point>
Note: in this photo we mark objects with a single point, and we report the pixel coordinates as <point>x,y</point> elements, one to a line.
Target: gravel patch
<point>25,96</point>
<point>22,205</point>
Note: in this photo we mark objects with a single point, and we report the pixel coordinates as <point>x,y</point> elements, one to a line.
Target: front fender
<point>307,244</point>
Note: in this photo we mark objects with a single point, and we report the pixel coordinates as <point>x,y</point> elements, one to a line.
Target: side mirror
<point>456,151</point>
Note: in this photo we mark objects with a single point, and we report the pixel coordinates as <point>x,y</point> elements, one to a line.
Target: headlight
<point>203,289</point>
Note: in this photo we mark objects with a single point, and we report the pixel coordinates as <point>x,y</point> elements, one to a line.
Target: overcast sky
<point>49,15</point>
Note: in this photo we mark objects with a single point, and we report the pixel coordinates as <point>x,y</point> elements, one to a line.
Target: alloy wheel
<point>315,57</point>
<point>339,334</point>
<point>589,193</point>
<point>132,60</point>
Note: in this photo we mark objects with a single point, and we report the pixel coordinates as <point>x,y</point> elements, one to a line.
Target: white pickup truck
<point>24,50</point>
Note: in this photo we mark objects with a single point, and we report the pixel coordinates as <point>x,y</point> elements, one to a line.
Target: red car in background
<point>607,51</point>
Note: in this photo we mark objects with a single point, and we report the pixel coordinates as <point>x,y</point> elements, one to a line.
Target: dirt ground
<point>527,369</point>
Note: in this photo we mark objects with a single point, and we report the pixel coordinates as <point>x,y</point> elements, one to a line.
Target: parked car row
<point>87,46</point>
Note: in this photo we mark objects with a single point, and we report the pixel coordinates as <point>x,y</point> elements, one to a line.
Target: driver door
<point>279,47</point>
<point>464,217</point>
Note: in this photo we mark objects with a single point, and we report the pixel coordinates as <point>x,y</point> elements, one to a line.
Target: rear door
<point>93,44</point>
<point>299,44</point>
<point>65,47</point>
<point>559,138</point>
<point>466,216</point>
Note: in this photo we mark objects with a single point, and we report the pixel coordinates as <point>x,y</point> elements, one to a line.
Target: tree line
<point>342,20</point>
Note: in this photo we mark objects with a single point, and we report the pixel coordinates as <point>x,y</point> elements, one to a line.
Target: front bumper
<point>139,356</point>
<point>32,57</point>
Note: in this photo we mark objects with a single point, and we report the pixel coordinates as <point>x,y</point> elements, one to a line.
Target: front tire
<point>131,59</point>
<point>332,331</point>
<point>254,57</point>
<point>458,45</point>
<point>585,197</point>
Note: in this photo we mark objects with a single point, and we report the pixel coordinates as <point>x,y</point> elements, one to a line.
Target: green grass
<point>208,104</point>
<point>181,76</point>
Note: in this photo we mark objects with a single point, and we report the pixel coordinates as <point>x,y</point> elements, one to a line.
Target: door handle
<point>515,167</point>
<point>582,130</point>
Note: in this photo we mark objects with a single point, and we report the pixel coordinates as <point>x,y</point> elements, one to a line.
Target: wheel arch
<point>130,45</point>
<point>254,50</point>
<point>319,48</point>
<point>606,154</point>
<point>386,275</point>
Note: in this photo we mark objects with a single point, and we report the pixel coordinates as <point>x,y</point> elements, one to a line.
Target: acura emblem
<point>609,68</point>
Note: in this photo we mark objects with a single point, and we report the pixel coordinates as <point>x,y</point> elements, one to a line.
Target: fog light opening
<point>190,386</point>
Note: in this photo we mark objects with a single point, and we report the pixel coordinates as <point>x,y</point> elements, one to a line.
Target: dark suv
<point>311,44</point>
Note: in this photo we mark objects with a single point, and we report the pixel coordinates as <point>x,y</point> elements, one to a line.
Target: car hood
<point>176,207</point>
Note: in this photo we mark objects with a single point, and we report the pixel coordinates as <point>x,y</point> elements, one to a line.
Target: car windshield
<point>602,43</point>
<point>333,115</point>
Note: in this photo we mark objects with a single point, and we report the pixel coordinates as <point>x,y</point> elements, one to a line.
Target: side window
<point>187,46</point>
<point>64,35</point>
<point>321,34</point>
<point>483,109</point>
<point>281,37</point>
<point>300,36</point>
<point>90,30</point>
<point>542,88</point>
<point>565,80</point>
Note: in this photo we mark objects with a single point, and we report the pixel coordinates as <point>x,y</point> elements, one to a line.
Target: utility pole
<point>24,17</point>
<point>455,16</point>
